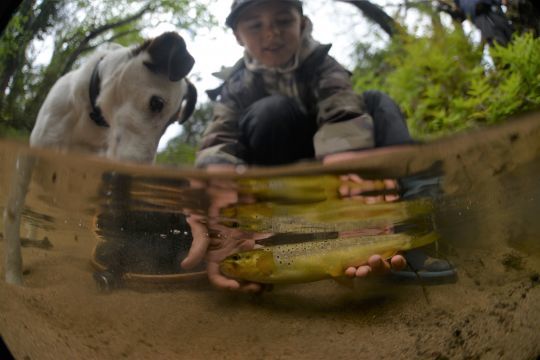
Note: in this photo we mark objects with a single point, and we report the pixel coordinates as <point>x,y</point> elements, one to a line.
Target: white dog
<point>119,103</point>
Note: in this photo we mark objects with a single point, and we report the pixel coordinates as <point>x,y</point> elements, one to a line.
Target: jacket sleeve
<point>220,143</point>
<point>344,124</point>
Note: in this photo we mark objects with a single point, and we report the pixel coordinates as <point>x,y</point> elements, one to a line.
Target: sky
<point>334,22</point>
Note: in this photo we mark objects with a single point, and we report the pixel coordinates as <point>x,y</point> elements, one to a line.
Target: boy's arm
<point>344,124</point>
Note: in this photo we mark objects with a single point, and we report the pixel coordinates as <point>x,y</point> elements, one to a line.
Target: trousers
<point>275,131</point>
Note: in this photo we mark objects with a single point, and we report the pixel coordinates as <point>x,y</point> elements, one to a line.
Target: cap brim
<point>231,20</point>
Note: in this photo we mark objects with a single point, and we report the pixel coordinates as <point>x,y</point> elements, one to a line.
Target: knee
<point>273,102</point>
<point>389,122</point>
<point>379,104</point>
<point>373,100</point>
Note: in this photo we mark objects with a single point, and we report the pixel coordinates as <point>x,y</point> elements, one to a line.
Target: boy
<point>288,100</point>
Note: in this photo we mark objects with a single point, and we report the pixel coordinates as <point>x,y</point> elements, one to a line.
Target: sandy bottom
<point>491,312</point>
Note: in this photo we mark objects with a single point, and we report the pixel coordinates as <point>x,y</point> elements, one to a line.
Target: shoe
<point>423,267</point>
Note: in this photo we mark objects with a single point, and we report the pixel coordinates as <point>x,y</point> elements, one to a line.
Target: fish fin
<point>418,241</point>
<point>266,264</point>
<point>336,271</point>
<point>345,281</point>
<point>387,255</point>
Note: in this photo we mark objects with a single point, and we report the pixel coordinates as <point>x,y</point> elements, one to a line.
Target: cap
<point>240,5</point>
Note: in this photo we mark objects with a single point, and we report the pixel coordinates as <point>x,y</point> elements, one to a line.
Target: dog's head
<point>143,92</point>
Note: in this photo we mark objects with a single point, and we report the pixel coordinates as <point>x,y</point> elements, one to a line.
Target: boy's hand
<point>198,223</point>
<point>214,249</point>
<point>377,265</point>
<point>353,186</point>
<point>214,241</point>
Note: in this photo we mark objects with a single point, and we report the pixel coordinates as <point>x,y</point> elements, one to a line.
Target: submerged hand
<point>222,282</point>
<point>377,265</point>
<point>214,249</point>
<point>354,186</point>
<point>213,240</point>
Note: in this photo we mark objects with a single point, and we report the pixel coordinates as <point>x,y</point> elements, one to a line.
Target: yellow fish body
<point>329,215</point>
<point>316,260</point>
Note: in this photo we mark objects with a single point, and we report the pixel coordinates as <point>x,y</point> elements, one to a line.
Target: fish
<point>306,189</point>
<point>316,260</point>
<point>329,215</point>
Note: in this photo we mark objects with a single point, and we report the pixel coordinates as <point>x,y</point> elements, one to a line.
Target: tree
<point>375,14</point>
<point>443,84</point>
<point>31,23</point>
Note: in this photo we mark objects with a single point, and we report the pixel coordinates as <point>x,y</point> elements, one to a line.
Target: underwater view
<point>249,179</point>
<point>101,243</point>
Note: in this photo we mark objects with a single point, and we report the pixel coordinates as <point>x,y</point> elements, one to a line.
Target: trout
<point>316,260</point>
<point>329,215</point>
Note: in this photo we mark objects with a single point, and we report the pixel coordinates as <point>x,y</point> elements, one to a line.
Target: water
<point>86,218</point>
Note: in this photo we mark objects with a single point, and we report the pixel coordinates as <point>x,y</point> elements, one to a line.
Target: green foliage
<point>177,153</point>
<point>443,85</point>
<point>519,74</point>
<point>12,133</point>
<point>181,150</point>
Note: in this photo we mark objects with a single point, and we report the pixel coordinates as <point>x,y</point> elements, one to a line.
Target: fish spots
<point>284,260</point>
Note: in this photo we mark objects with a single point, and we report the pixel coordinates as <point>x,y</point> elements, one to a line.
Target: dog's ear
<point>191,101</point>
<point>169,56</point>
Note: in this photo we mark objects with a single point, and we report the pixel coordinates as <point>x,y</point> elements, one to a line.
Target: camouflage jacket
<point>319,84</point>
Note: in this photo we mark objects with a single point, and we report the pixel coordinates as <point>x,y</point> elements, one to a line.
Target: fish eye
<point>156,104</point>
<point>235,257</point>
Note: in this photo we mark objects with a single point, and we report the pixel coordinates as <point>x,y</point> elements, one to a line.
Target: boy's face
<point>270,32</point>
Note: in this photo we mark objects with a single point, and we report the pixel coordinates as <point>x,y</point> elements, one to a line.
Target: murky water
<point>480,192</point>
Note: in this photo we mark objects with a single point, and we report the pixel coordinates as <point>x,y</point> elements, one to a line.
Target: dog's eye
<point>156,104</point>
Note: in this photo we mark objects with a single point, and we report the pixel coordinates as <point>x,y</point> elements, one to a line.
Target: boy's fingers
<point>378,265</point>
<point>195,255</point>
<point>201,240</point>
<point>224,283</point>
<point>398,262</point>
<point>251,288</point>
<point>218,280</point>
<point>363,271</point>
<point>391,184</point>
<point>350,272</point>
